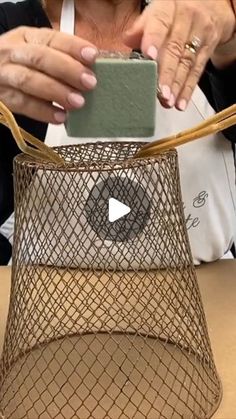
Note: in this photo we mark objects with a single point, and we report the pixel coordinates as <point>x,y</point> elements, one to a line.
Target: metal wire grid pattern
<point>114,329</point>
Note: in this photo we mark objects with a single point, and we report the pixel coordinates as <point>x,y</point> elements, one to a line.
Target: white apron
<point>207,170</point>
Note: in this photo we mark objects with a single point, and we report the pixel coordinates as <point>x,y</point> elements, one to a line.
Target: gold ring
<point>194,45</point>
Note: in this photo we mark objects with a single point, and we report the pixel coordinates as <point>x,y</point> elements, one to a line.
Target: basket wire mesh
<point>104,324</point>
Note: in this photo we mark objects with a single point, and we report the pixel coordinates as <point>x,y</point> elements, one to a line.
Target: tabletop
<point>217,283</point>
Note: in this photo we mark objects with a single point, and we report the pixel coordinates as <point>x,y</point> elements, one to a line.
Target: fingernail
<point>182,105</point>
<point>165,92</point>
<point>152,52</point>
<point>88,80</point>
<point>89,54</point>
<point>171,101</point>
<point>76,99</point>
<point>60,117</point>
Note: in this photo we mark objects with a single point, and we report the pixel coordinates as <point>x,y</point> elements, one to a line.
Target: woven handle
<point>212,125</point>
<point>39,151</point>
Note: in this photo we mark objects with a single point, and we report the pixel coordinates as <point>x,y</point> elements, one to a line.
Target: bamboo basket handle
<point>39,151</point>
<point>212,125</point>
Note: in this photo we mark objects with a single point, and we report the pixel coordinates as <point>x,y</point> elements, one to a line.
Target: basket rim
<point>25,160</point>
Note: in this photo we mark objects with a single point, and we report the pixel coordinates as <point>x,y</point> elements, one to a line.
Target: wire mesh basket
<point>105,317</point>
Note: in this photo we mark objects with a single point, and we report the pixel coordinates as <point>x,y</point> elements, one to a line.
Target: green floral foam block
<point>123,103</point>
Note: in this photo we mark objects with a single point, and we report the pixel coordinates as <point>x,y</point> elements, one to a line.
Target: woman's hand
<point>225,53</point>
<point>42,66</point>
<point>181,35</point>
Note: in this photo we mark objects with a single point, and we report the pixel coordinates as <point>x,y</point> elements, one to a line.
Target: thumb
<point>133,36</point>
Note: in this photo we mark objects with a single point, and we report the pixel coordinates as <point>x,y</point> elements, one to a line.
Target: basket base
<point>108,376</point>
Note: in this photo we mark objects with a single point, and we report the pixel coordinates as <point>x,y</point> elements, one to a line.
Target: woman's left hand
<point>181,35</point>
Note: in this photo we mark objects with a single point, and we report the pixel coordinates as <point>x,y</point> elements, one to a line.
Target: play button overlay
<point>117,208</point>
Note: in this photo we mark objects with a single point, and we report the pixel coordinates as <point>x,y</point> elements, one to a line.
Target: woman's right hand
<point>42,66</point>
